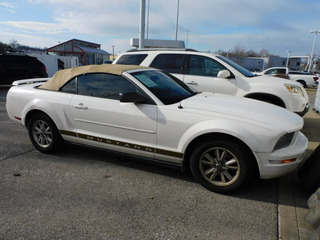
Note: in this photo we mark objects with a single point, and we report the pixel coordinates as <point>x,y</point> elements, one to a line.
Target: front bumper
<point>270,164</point>
<point>306,109</point>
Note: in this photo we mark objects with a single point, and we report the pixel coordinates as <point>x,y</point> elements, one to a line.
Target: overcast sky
<point>205,25</point>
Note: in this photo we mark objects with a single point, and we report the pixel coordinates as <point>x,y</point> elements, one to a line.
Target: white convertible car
<point>143,112</point>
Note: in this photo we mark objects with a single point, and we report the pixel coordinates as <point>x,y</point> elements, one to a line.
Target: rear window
<point>132,59</point>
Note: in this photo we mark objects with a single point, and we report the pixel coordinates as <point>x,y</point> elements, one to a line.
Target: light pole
<point>148,19</point>
<point>314,43</point>
<point>288,59</point>
<point>142,23</point>
<point>177,21</point>
<point>187,38</point>
<point>228,50</point>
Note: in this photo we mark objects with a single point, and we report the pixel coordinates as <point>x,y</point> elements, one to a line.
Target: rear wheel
<point>220,165</point>
<point>44,134</point>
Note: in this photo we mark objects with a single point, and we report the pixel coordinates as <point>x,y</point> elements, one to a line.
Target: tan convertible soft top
<point>63,76</point>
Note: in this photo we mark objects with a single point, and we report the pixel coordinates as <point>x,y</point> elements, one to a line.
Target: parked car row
<point>146,113</point>
<point>305,78</point>
<point>206,72</point>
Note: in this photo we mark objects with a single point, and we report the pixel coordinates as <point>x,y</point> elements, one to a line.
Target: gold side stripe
<point>123,144</point>
<point>169,153</point>
<point>69,133</point>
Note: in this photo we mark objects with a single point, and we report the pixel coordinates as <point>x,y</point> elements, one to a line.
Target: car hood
<point>243,109</point>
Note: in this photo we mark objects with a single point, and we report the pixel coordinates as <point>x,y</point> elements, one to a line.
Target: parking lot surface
<point>85,194</point>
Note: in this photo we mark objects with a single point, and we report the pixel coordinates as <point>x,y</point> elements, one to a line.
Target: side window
<point>204,66</point>
<point>282,71</point>
<point>276,71</point>
<point>104,85</point>
<point>132,59</point>
<point>171,63</point>
<point>69,87</point>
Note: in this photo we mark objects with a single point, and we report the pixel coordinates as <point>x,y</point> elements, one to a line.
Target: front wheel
<point>220,166</point>
<point>303,83</point>
<point>44,134</point>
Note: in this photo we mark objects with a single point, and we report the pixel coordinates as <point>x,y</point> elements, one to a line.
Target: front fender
<point>254,137</point>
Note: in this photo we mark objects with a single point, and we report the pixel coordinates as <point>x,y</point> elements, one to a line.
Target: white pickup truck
<point>306,79</point>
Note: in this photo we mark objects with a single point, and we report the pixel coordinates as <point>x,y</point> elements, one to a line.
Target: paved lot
<point>85,194</point>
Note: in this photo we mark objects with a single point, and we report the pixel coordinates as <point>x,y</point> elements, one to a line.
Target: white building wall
<point>50,61</point>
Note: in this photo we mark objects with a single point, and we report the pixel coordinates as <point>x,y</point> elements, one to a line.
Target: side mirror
<point>132,97</point>
<point>224,74</point>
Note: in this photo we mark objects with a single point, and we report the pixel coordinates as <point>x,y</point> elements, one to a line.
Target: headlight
<point>284,141</point>
<point>294,89</point>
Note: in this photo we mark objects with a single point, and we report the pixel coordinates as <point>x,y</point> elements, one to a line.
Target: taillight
<point>315,78</point>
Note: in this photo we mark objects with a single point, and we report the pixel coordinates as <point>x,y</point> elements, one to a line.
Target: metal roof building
<point>87,52</point>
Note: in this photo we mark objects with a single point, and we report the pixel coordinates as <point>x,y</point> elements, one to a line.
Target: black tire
<point>303,83</point>
<point>44,134</point>
<point>267,100</point>
<point>221,166</point>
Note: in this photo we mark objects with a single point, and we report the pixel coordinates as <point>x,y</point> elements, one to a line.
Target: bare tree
<point>264,52</point>
<point>238,51</point>
<point>14,43</point>
<point>251,53</point>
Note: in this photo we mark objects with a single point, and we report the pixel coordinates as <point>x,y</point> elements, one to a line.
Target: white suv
<point>207,72</point>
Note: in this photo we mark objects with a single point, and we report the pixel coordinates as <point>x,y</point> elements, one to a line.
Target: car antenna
<point>180,106</point>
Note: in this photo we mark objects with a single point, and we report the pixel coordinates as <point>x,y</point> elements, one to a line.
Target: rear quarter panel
<point>21,100</point>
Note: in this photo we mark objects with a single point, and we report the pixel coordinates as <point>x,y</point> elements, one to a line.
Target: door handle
<point>80,106</point>
<point>192,83</point>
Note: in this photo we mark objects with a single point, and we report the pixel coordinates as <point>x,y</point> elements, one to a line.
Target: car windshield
<point>242,70</point>
<point>168,89</point>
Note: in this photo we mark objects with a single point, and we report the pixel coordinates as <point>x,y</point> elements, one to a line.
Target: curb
<point>292,209</point>
<point>313,214</point>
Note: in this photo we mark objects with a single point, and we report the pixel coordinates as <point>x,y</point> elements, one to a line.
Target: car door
<point>103,121</point>
<point>201,74</point>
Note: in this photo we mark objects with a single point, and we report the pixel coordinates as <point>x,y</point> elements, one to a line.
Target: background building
<point>87,52</point>
<point>258,64</point>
